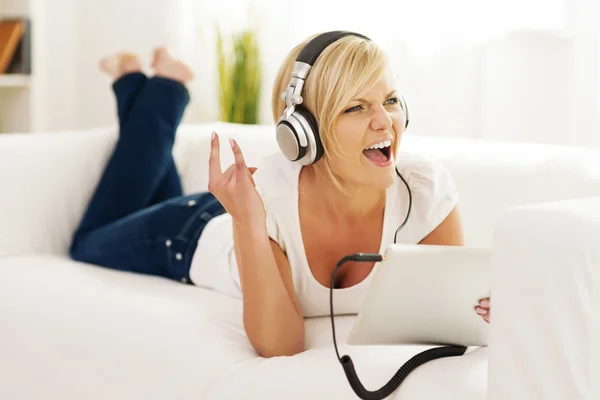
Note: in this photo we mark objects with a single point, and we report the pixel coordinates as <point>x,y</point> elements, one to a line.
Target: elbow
<point>283,348</point>
<point>277,341</point>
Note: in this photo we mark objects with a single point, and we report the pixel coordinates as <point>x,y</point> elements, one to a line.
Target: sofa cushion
<point>546,281</point>
<point>48,178</point>
<point>493,176</point>
<point>76,331</point>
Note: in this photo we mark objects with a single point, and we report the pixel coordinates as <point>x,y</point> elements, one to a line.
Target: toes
<point>130,62</point>
<point>185,70</point>
<point>119,64</point>
<point>160,54</point>
<point>155,58</point>
<point>109,64</point>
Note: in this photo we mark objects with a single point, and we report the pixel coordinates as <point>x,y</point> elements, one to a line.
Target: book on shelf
<point>21,62</point>
<point>15,46</point>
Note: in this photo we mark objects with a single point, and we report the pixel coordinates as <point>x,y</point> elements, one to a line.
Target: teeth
<point>380,145</point>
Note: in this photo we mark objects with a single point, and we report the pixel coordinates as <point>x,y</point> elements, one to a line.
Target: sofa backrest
<point>494,176</point>
<point>47,179</point>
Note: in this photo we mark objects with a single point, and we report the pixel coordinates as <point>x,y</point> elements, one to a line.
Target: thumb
<point>252,171</point>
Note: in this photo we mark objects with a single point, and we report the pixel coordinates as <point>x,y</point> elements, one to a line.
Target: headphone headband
<point>304,62</point>
<point>314,48</point>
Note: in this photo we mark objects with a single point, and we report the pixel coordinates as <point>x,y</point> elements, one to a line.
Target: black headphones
<point>297,129</point>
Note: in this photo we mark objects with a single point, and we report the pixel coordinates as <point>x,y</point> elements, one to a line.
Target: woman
<point>273,235</point>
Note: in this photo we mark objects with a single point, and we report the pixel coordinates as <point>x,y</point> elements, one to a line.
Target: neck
<point>358,202</point>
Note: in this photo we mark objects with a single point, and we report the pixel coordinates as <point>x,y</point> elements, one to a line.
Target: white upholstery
<point>85,332</point>
<point>50,177</point>
<point>75,331</point>
<point>546,287</point>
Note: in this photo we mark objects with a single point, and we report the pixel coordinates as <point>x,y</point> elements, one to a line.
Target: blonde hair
<point>345,70</point>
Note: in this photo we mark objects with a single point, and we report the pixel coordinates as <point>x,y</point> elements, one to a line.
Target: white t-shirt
<point>214,265</point>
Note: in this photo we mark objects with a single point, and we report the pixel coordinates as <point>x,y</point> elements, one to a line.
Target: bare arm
<point>449,232</point>
<point>272,317</point>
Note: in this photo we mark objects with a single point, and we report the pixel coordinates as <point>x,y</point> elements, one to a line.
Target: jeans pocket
<point>193,213</point>
<point>178,258</point>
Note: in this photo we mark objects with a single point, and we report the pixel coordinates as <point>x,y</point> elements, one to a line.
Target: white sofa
<point>70,330</point>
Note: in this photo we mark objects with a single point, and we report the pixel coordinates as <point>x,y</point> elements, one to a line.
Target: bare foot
<point>166,66</point>
<point>120,64</point>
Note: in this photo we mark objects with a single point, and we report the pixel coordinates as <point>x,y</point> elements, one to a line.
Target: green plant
<point>238,61</point>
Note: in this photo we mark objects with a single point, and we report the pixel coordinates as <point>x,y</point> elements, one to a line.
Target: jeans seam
<point>182,233</point>
<point>204,215</point>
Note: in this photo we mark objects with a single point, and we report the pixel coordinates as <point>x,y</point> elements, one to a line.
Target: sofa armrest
<point>545,330</point>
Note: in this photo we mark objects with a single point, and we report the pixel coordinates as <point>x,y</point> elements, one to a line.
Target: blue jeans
<point>138,219</point>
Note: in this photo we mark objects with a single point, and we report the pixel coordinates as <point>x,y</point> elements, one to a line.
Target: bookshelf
<point>14,81</point>
<point>18,89</point>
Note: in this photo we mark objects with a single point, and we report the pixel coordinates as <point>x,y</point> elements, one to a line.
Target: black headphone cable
<point>410,365</point>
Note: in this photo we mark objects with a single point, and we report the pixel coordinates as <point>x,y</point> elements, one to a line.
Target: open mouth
<point>380,153</point>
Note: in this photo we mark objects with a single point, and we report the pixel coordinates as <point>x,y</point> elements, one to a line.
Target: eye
<point>351,109</point>
<point>393,100</point>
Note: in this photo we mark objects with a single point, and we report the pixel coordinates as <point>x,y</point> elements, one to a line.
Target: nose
<point>381,120</point>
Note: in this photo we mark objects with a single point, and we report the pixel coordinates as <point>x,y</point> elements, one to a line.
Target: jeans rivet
<point>168,243</point>
<point>192,203</point>
<point>178,256</point>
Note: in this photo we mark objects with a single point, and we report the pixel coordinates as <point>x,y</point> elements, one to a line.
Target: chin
<point>368,174</point>
<point>382,178</point>
<point>385,182</point>
<point>382,175</point>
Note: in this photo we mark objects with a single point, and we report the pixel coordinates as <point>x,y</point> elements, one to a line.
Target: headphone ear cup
<point>405,108</point>
<point>313,133</point>
<point>288,139</point>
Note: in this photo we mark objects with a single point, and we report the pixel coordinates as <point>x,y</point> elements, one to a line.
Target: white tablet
<point>425,294</point>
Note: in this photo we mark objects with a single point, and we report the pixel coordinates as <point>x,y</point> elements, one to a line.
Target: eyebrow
<point>387,96</point>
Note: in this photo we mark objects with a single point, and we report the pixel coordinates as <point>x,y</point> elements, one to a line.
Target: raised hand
<point>234,188</point>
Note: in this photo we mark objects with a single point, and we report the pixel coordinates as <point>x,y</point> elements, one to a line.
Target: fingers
<point>228,175</point>
<point>484,309</point>
<point>240,163</point>
<point>232,171</point>
<point>485,303</point>
<point>481,311</point>
<point>252,171</point>
<point>214,161</point>
<point>231,175</point>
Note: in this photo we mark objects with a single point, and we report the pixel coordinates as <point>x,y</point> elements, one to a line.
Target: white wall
<point>76,34</point>
<point>527,87</point>
<point>55,64</point>
<point>109,26</point>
